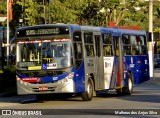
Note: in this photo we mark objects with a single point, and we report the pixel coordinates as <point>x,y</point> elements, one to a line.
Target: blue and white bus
<point>66,58</point>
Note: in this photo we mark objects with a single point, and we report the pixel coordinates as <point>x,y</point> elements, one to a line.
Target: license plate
<point>42,88</point>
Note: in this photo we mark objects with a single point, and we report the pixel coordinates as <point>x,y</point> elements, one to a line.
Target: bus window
<point>107,50</point>
<point>125,39</point>
<point>127,50</point>
<point>77,36</point>
<point>142,40</point>
<point>88,40</point>
<point>144,50</point>
<point>89,50</point>
<point>46,50</point>
<point>77,45</point>
<point>107,47</point>
<point>136,43</point>
<point>133,40</point>
<point>107,39</point>
<point>136,50</point>
<point>78,50</point>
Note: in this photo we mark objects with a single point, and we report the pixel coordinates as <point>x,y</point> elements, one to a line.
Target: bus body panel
<point>49,84</point>
<point>137,65</point>
<point>107,72</point>
<point>80,78</point>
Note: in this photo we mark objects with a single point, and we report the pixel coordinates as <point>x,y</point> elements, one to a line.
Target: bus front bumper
<point>62,86</point>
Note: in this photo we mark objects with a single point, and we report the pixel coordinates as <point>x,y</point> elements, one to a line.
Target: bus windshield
<point>46,54</point>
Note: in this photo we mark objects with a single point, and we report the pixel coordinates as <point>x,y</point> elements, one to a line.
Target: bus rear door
<point>118,64</point>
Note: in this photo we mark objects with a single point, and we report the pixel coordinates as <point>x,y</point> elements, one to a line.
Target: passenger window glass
<point>107,50</point>
<point>88,38</point>
<point>89,50</point>
<point>142,40</point>
<point>107,39</point>
<point>136,50</point>
<point>125,39</point>
<point>77,36</point>
<point>127,50</point>
<point>144,50</point>
<point>133,40</point>
<point>78,50</point>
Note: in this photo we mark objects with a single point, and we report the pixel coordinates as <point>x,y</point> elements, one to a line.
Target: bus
<point>69,58</point>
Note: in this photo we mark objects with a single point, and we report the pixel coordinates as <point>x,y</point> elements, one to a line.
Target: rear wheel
<point>87,95</point>
<point>119,91</point>
<point>129,88</point>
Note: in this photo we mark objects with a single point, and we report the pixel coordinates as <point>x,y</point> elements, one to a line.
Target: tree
<point>32,12</point>
<point>83,12</point>
<point>124,13</point>
<point>156,18</point>
<point>62,11</point>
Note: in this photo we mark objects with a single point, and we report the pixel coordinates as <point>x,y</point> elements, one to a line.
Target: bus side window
<point>88,40</point>
<point>107,50</point>
<point>126,44</point>
<point>127,50</point>
<point>89,50</point>
<point>144,50</point>
<point>78,50</point>
<point>77,45</point>
<point>125,39</point>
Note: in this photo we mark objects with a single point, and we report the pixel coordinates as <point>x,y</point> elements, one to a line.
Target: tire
<point>129,88</point>
<point>88,95</point>
<point>119,91</point>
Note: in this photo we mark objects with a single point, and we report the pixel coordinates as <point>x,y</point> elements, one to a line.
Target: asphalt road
<point>145,102</point>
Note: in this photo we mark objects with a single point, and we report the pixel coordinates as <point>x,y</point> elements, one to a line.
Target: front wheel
<point>87,95</point>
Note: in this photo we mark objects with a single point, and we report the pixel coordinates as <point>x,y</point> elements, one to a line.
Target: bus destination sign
<point>42,31</point>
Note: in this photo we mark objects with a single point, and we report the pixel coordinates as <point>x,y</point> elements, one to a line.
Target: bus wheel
<point>129,88</point>
<point>119,91</point>
<point>87,95</point>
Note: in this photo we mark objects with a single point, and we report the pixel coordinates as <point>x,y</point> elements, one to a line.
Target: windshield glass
<point>46,54</point>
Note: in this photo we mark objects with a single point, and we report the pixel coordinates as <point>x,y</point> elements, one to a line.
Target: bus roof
<point>72,26</point>
<point>134,32</point>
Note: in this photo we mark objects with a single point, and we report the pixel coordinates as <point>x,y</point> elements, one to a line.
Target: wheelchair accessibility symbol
<point>44,66</point>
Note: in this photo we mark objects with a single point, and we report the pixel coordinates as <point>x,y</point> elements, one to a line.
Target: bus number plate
<point>42,88</point>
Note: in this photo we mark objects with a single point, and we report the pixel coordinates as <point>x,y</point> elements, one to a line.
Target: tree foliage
<point>83,12</point>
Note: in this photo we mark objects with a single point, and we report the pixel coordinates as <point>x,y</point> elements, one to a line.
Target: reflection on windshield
<point>56,55</point>
<point>43,55</point>
<point>28,54</point>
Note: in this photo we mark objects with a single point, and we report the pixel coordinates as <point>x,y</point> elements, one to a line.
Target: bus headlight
<point>66,79</point>
<point>17,78</point>
<point>70,76</point>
